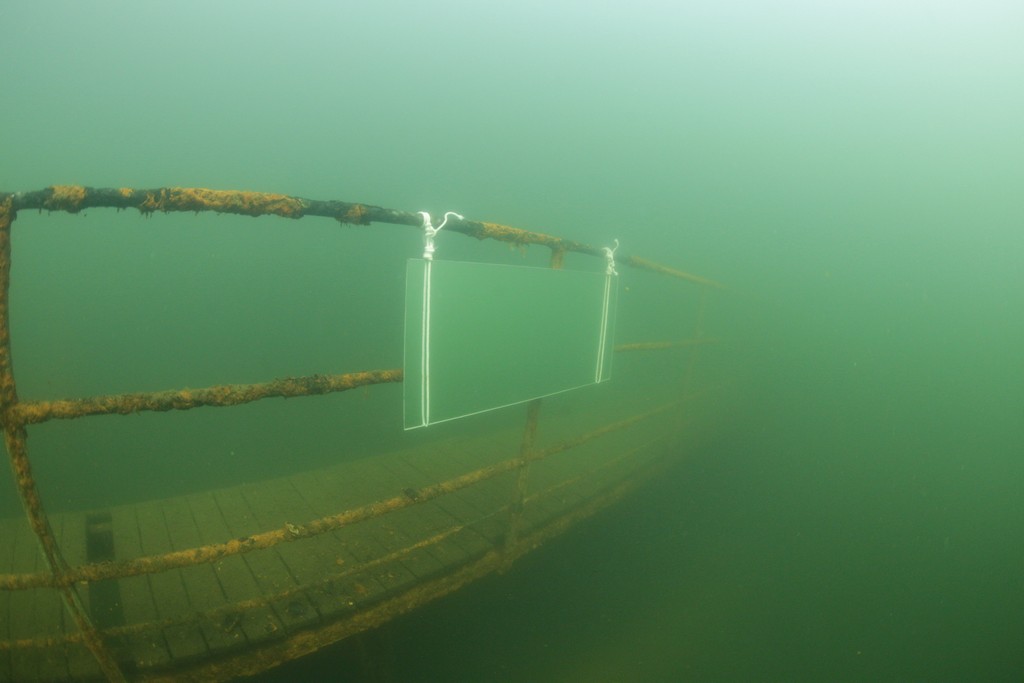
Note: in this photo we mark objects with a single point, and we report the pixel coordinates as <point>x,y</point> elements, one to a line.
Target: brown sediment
<point>65,198</point>
<point>225,201</point>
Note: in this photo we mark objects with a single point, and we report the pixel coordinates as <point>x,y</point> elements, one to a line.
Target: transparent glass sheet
<point>481,336</point>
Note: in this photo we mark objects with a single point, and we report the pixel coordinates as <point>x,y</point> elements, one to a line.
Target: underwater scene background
<point>850,170</point>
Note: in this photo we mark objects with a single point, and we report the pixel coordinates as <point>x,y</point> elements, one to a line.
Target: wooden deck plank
<point>482,529</point>
<point>434,517</point>
<point>35,613</point>
<point>79,662</point>
<point>23,557</point>
<point>463,455</point>
<point>201,582</point>
<point>315,560</point>
<point>274,505</point>
<point>55,618</point>
<point>336,557</point>
<point>499,491</point>
<point>323,495</point>
<point>600,468</point>
<point>332,549</point>
<point>273,510</point>
<point>352,483</point>
<point>69,529</point>
<point>477,505</point>
<point>403,528</point>
<point>375,535</point>
<point>302,570</point>
<point>185,641</point>
<point>258,623</point>
<point>10,533</point>
<point>550,504</point>
<point>104,597</point>
<point>147,648</point>
<point>267,567</point>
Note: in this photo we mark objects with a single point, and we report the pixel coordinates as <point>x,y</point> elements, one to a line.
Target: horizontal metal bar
<point>152,564</point>
<point>75,198</point>
<point>659,345</point>
<point>32,412</point>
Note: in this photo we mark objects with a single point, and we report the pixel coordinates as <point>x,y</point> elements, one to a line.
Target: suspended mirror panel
<point>481,336</point>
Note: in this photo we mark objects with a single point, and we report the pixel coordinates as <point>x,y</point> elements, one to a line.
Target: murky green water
<point>851,169</point>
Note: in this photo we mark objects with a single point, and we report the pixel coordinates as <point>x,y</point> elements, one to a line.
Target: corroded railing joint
<point>75,198</point>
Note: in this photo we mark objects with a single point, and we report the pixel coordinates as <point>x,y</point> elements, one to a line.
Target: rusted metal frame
<point>258,204</point>
<point>259,659</point>
<point>606,497</point>
<point>263,601</point>
<point>75,198</point>
<point>526,456</point>
<point>152,564</point>
<point>659,345</point>
<point>364,619</point>
<point>215,551</point>
<point>16,438</point>
<point>252,603</point>
<point>32,412</point>
<point>41,642</point>
<point>298,645</point>
<point>268,600</point>
<point>526,448</point>
<point>698,333</point>
<point>215,614</point>
<point>568,444</point>
<point>35,412</point>
<point>645,264</point>
<point>587,474</point>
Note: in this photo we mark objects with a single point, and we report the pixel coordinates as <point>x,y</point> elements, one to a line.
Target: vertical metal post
<point>515,509</point>
<point>15,438</point>
<point>698,333</point>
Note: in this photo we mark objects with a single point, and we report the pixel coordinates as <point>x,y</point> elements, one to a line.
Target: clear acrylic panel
<point>481,336</point>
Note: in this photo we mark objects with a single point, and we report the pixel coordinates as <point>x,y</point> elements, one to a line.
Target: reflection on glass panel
<point>482,336</point>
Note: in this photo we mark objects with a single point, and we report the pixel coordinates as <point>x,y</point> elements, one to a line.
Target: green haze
<point>852,170</point>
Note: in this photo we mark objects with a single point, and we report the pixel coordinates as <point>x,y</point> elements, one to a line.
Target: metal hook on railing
<point>609,254</point>
<point>429,231</point>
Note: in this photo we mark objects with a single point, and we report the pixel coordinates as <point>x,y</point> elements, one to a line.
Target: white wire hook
<point>449,214</point>
<point>429,231</point>
<point>609,254</point>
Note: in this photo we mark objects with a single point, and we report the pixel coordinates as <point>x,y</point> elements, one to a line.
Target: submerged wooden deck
<point>214,584</point>
<point>245,612</point>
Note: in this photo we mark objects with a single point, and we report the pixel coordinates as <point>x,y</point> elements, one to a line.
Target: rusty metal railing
<point>75,198</point>
<point>16,415</point>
